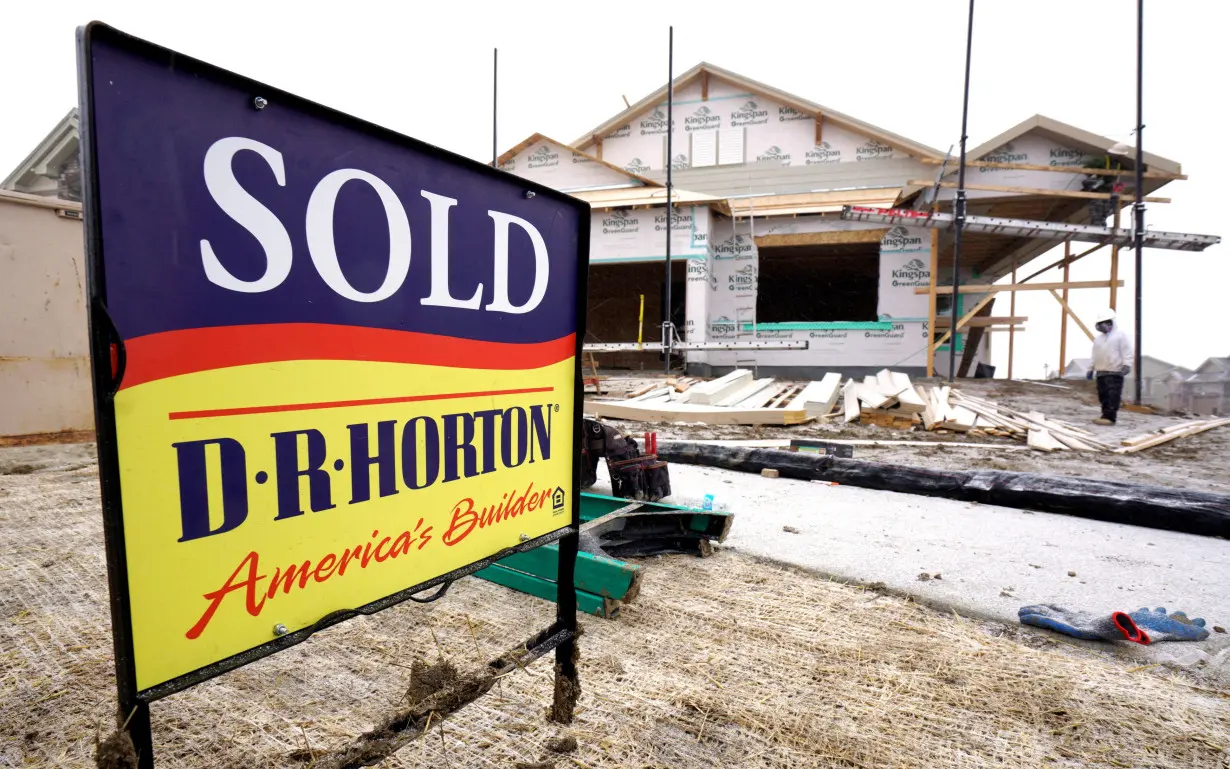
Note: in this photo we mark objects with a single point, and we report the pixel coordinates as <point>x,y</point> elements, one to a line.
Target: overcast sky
<point>424,69</point>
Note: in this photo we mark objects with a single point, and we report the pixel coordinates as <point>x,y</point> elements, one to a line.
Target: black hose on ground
<point>1156,507</point>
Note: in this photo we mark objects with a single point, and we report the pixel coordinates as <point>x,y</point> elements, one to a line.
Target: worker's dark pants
<point>1110,393</point>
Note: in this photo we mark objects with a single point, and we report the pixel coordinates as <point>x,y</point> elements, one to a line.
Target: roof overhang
<point>752,86</point>
<point>45,159</point>
<point>1071,136</point>
<point>634,197</point>
<point>537,137</point>
<point>825,202</point>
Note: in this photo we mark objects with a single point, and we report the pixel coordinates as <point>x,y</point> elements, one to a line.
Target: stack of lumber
<point>735,399</point>
<point>887,399</point>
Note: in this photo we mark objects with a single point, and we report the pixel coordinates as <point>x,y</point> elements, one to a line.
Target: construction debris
<point>888,400</point>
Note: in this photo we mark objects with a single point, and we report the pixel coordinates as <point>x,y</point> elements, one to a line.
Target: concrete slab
<point>990,561</point>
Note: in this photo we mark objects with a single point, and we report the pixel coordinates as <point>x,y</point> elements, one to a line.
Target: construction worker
<point>1112,352</point>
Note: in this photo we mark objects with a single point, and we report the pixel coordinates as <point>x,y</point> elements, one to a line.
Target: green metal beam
<point>594,573</point>
<point>537,586</point>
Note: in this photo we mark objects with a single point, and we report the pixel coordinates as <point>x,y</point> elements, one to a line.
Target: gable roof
<point>790,100</point>
<point>1070,136</point>
<point>56,147</point>
<point>537,137</point>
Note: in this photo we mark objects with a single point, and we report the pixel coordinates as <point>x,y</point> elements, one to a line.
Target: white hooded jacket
<point>1112,352</point>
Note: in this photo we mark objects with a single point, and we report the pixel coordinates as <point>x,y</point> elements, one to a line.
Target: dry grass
<point>720,662</point>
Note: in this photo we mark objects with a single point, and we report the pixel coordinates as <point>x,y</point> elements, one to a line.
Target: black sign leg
<point>567,684</point>
<point>140,732</point>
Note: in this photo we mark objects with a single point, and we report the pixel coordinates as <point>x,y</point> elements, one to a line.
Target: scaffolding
<point>1057,232</point>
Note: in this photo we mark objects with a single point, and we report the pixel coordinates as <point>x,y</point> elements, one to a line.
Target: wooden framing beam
<point>704,85</point>
<point>1063,313</point>
<point>1064,261</point>
<point>1012,329</point>
<point>986,321</point>
<point>1114,267</point>
<point>962,320</point>
<point>819,128</point>
<point>598,147</point>
<point>1033,191</point>
<point>980,289</point>
<point>830,238</point>
<point>1067,311</point>
<point>935,270</point>
<point>1062,169</point>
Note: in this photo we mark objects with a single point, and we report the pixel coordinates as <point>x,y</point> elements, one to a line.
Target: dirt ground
<point>1198,463</point>
<point>724,661</point>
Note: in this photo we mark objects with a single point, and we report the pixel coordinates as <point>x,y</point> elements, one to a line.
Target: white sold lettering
<point>264,225</point>
<point>247,211</point>
<point>324,250</point>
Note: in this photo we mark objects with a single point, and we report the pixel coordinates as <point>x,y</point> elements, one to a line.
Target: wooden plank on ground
<point>818,398</point>
<point>654,394</point>
<point>1042,440</point>
<point>708,392</point>
<point>1195,429</point>
<point>850,406</point>
<point>693,412</point>
<point>908,398</point>
<point>744,393</point>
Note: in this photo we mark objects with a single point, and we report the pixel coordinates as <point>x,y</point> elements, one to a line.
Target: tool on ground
<point>633,475</point>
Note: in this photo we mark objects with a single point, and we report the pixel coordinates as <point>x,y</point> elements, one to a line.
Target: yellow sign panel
<point>339,499</point>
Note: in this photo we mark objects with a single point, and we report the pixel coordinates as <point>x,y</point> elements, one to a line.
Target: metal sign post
<point>300,417</point>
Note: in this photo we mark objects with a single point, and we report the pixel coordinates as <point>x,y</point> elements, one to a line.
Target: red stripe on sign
<point>345,404</point>
<point>172,353</point>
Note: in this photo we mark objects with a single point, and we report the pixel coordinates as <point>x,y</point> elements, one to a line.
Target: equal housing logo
<point>790,114</point>
<point>654,123</point>
<point>900,239</point>
<point>619,223</point>
<point>636,166</point>
<point>912,274</point>
<point>873,150</point>
<point>1004,154</point>
<point>543,157</point>
<point>702,119</point>
<point>775,153</point>
<point>737,247</point>
<point>749,114</point>
<point>822,153</point>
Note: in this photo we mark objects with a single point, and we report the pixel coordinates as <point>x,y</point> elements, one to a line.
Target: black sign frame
<point>108,362</point>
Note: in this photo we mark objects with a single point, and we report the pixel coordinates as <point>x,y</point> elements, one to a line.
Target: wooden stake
<point>1067,310</point>
<point>1114,266</point>
<point>1011,313</point>
<point>1063,311</point>
<point>935,269</point>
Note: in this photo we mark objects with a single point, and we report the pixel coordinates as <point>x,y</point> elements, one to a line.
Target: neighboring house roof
<point>767,91</point>
<point>1151,367</point>
<point>1212,370</point>
<point>47,157</point>
<point>1079,364</point>
<point>1069,136</point>
<point>537,137</point>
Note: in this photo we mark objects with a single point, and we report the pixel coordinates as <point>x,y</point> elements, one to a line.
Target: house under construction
<point>803,239</point>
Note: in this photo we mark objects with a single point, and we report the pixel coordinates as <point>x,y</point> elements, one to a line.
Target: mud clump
<point>428,679</point>
<point>565,744</point>
<point>115,752</point>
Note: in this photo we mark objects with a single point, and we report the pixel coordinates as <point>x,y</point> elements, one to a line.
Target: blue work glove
<point>1157,625</point>
<point>1089,374</point>
<point>1116,626</point>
